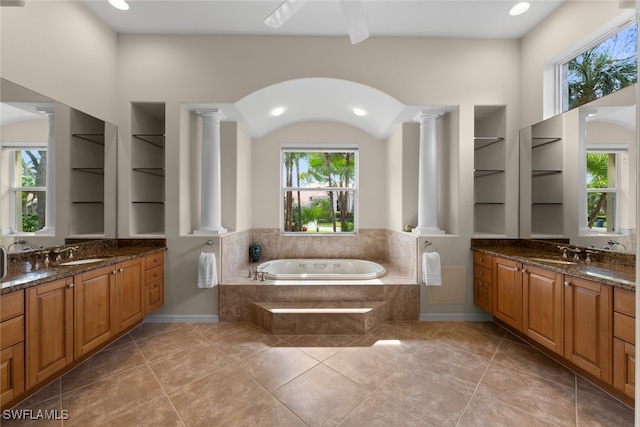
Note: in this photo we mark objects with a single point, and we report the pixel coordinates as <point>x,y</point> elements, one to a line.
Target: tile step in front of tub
<point>306,318</point>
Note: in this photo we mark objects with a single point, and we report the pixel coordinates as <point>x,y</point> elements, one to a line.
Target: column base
<point>427,230</point>
<point>207,231</point>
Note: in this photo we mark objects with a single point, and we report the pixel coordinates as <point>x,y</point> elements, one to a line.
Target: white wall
<point>562,33</point>
<point>88,72</point>
<point>61,50</point>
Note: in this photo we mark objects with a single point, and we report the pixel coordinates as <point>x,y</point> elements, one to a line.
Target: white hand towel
<point>431,275</point>
<point>207,274</point>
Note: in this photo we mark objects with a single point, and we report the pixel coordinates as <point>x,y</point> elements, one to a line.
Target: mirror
<point>50,151</point>
<point>582,161</point>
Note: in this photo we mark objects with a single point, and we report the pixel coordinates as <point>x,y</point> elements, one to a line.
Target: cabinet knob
<point>155,274</point>
<point>156,285</point>
<point>121,270</point>
<point>567,283</point>
<point>70,285</point>
<point>114,272</point>
<point>155,260</point>
<point>481,259</point>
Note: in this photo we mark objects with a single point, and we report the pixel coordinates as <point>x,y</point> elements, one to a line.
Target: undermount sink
<point>82,261</point>
<point>553,261</point>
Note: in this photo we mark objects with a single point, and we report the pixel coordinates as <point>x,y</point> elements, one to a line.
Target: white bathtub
<point>321,269</point>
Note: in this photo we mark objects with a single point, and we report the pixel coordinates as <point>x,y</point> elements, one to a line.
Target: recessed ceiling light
<point>519,8</point>
<point>359,111</point>
<point>119,4</point>
<point>277,111</point>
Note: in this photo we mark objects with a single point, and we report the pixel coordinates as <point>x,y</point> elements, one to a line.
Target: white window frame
<point>13,148</point>
<point>617,150</point>
<point>310,148</point>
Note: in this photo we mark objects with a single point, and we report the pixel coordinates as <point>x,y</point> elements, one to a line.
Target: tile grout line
<point>480,381</point>
<point>164,392</point>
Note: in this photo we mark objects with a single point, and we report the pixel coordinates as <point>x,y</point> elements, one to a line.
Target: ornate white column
<point>211,200</point>
<point>428,174</point>
<point>50,206</point>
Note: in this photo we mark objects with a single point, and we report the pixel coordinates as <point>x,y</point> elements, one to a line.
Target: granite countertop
<point>21,275</point>
<point>613,271</point>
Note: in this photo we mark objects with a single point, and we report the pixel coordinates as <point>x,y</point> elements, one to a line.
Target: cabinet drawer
<point>624,327</point>
<point>11,305</point>
<point>11,332</point>
<point>624,302</point>
<point>153,260</point>
<point>154,274</point>
<point>483,274</point>
<point>483,260</point>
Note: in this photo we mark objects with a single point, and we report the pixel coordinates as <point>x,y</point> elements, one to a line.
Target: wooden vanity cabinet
<point>49,329</point>
<point>624,348</point>
<point>130,293</point>
<point>483,281</point>
<point>11,346</point>
<point>95,309</point>
<point>507,292</point>
<point>588,315</point>
<point>154,282</point>
<point>542,318</point>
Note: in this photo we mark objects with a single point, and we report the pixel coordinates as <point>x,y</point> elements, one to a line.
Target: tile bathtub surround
<point>401,373</point>
<point>234,301</point>
<point>382,245</point>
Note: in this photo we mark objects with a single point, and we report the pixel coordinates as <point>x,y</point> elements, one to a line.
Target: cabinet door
<point>130,293</point>
<point>49,329</point>
<point>624,367</point>
<point>507,292</point>
<point>95,309</point>
<point>588,326</point>
<point>482,295</point>
<point>542,307</point>
<point>11,372</point>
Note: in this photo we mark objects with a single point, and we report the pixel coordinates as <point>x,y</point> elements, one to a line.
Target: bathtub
<point>321,269</point>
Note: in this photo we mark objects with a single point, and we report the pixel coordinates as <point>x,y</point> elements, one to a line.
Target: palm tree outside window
<point>319,188</point>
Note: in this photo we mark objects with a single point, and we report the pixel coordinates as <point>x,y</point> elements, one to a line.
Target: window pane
<point>31,168</point>
<point>319,211</point>
<point>601,70</point>
<point>601,205</point>
<point>30,210</point>
<point>309,205</point>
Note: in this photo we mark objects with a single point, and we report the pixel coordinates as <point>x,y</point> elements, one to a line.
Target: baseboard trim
<point>468,317</point>
<point>181,318</point>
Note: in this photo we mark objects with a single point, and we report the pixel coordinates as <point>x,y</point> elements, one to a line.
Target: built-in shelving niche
<point>147,168</point>
<point>489,170</point>
<point>87,153</point>
<point>547,179</point>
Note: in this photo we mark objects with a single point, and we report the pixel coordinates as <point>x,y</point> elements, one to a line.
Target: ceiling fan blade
<point>356,24</point>
<point>285,11</point>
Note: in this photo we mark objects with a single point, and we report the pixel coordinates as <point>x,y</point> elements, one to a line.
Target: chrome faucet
<point>59,252</point>
<point>614,243</point>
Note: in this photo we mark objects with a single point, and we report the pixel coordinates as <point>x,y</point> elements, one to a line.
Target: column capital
<point>427,114</point>
<point>210,112</point>
<point>46,110</point>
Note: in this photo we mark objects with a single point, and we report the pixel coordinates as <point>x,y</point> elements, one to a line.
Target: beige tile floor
<point>400,374</point>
